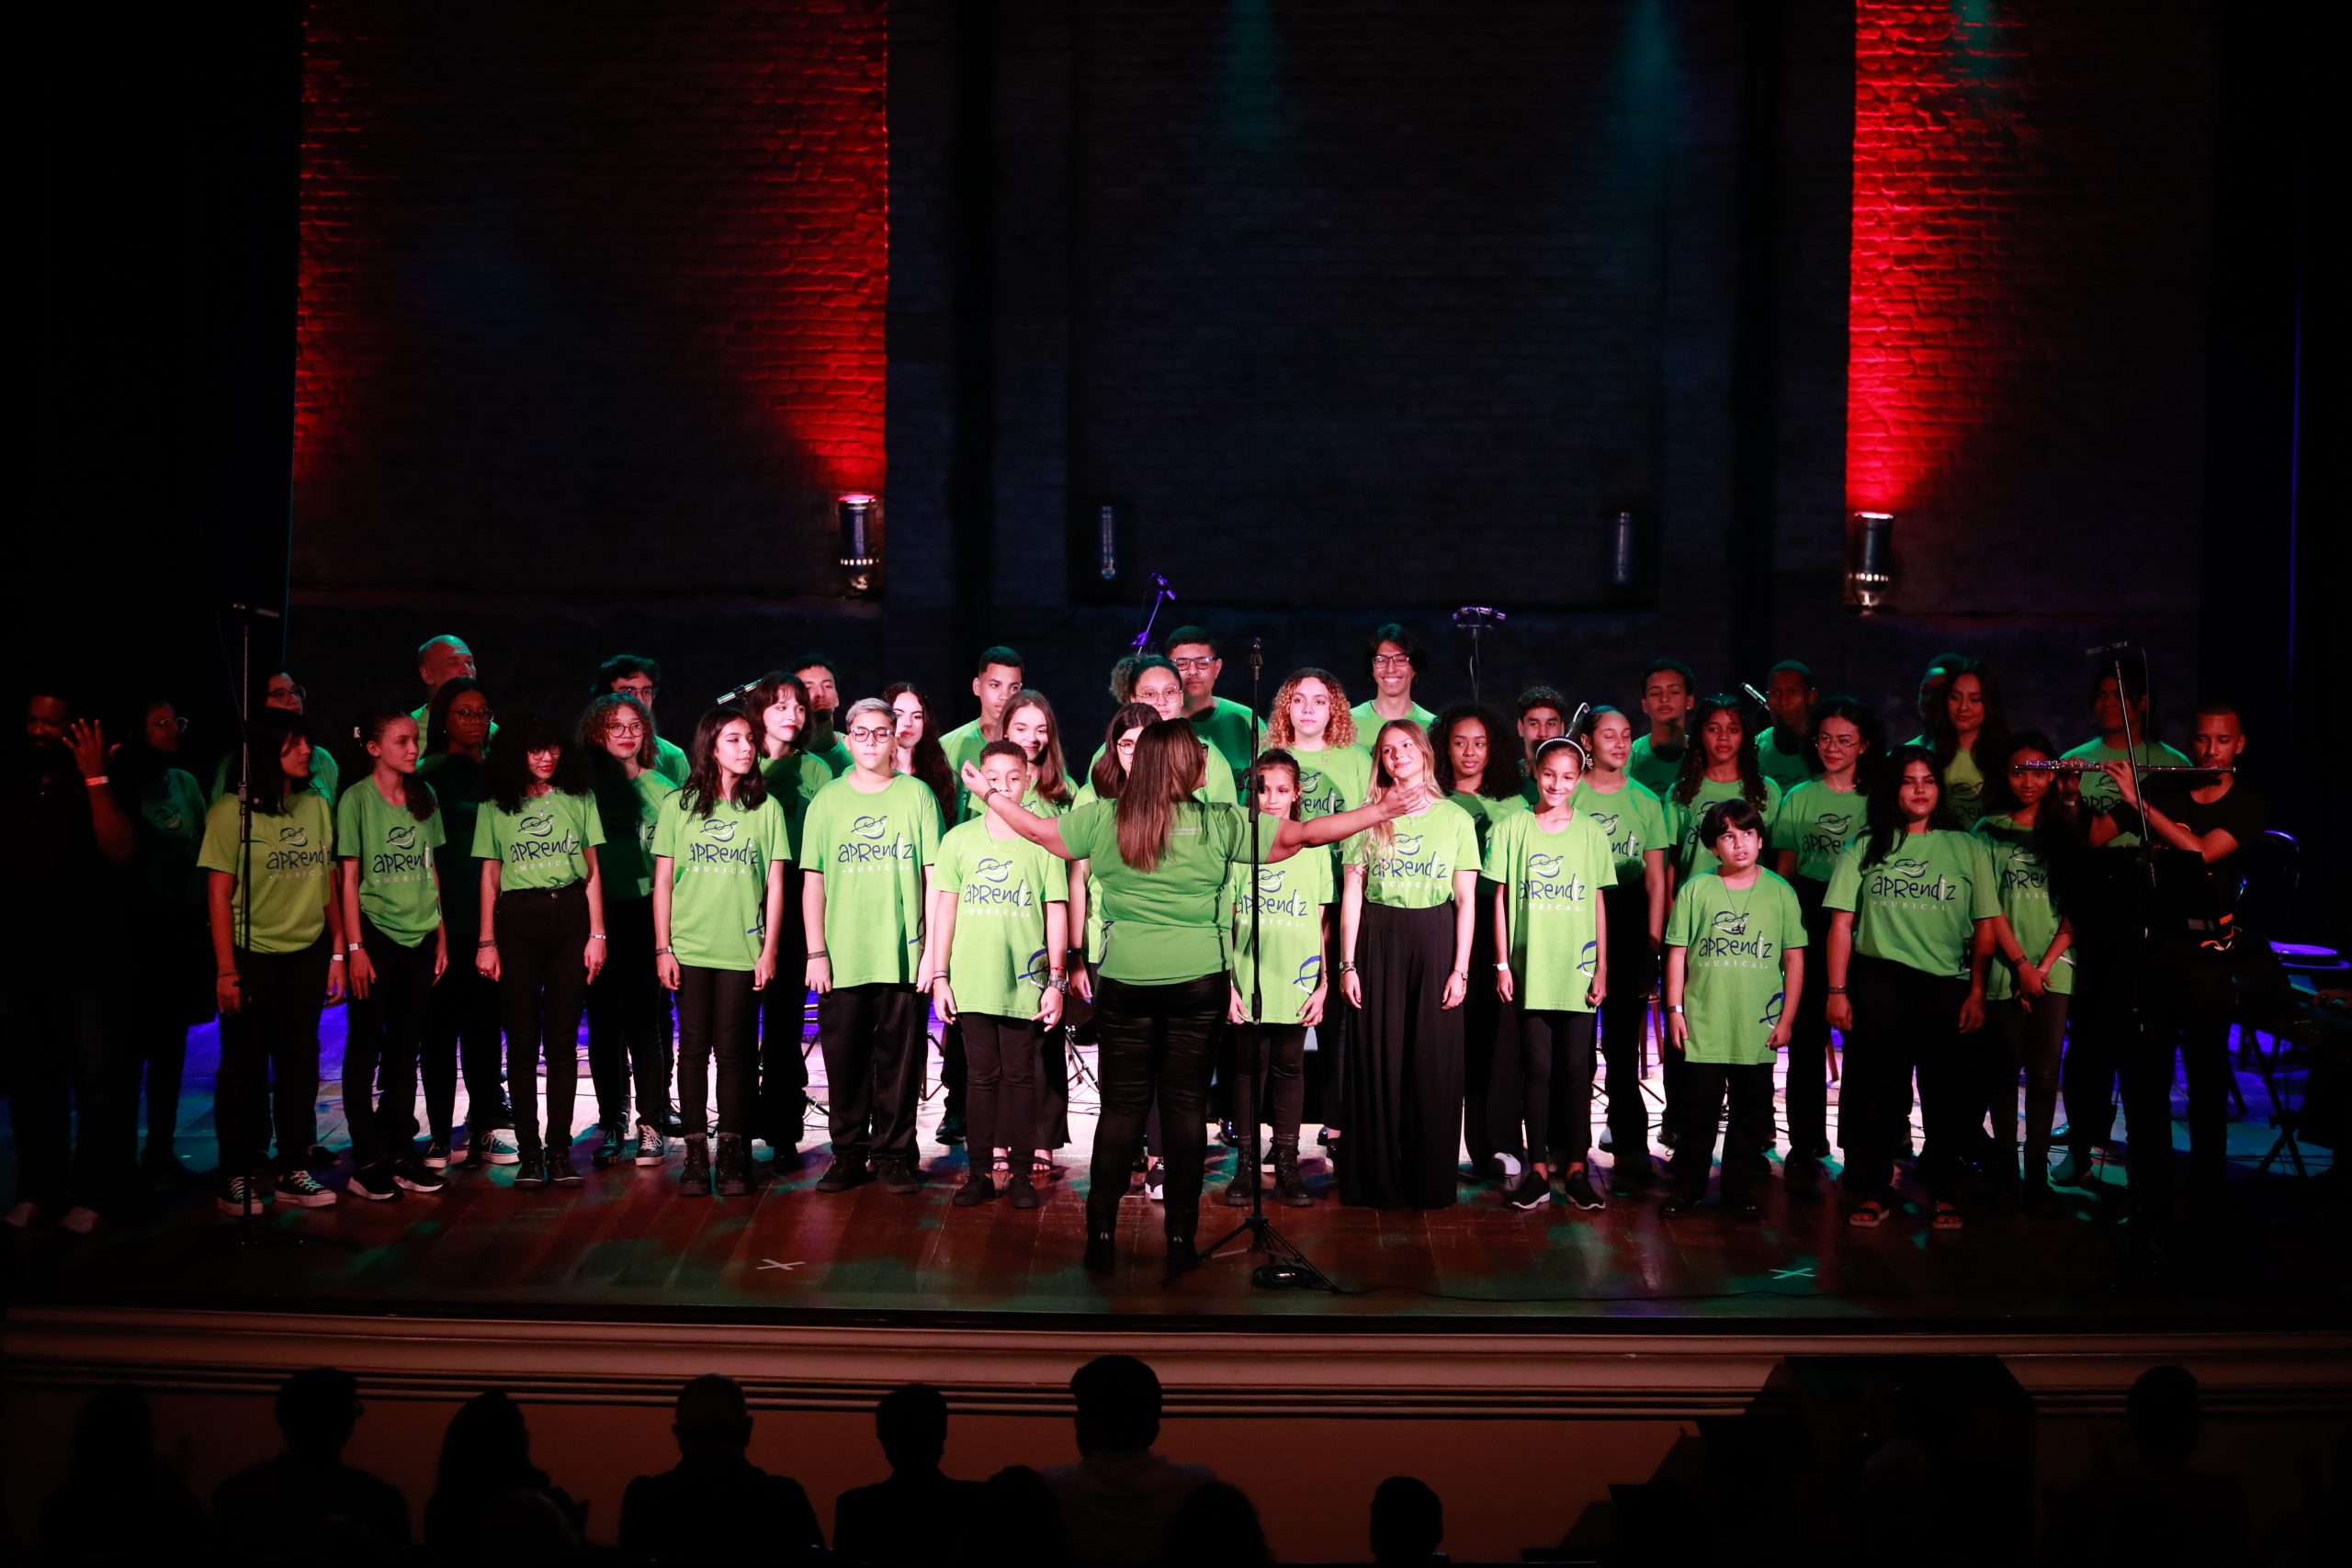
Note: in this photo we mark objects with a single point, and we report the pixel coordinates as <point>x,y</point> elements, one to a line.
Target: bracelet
<point>1463,974</point>
<point>661,952</point>
<point>480,945</point>
<point>351,947</point>
<point>819,954</point>
<point>596,936</point>
<point>1503,966</point>
<point>334,957</point>
<point>226,974</point>
<point>1836,991</point>
<point>94,780</point>
<point>1347,966</point>
<point>1057,983</point>
<point>1674,1006</point>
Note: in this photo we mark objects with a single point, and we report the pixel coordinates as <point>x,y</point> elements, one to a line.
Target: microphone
<point>1478,613</point>
<point>266,614</point>
<point>1257,653</point>
<point>1167,588</point>
<point>2126,645</point>
<point>1761,700</point>
<point>739,692</point>
<point>1109,518</point>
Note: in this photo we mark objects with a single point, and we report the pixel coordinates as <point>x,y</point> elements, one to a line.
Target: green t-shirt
<point>1292,896</point>
<point>1554,882</point>
<point>1787,769</point>
<point>1486,813</point>
<point>171,830</point>
<point>1652,772</point>
<point>670,761</point>
<point>1818,822</point>
<point>962,744</point>
<point>457,783</point>
<point>293,862</point>
<point>2024,880</point>
<point>1686,857</point>
<point>1416,870</point>
<point>1332,780</point>
<point>997,962</point>
<point>1632,820</point>
<point>1368,721</point>
<point>793,781</point>
<point>1732,987</point>
<point>718,878</point>
<point>545,845</point>
<point>629,810</point>
<point>395,854</point>
<point>1167,925</point>
<point>1919,906</point>
<point>871,850</point>
<point>1032,802</point>
<point>1963,784</point>
<point>1216,778</point>
<point>1231,731</point>
<point>836,757</point>
<point>2101,794</point>
<point>326,776</point>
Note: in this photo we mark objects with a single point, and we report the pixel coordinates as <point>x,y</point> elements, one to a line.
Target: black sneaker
<point>1020,1193</point>
<point>374,1182</point>
<point>611,1149</point>
<point>951,1128</point>
<point>1155,1182</point>
<point>436,1153</point>
<point>693,1176</point>
<point>652,1148</point>
<point>975,1191</point>
<point>842,1174</point>
<point>529,1168</point>
<point>897,1178</point>
<point>734,1166</point>
<point>556,1165</point>
<point>417,1177</point>
<point>1579,1191</point>
<point>238,1195</point>
<point>1530,1192</point>
<point>301,1189</point>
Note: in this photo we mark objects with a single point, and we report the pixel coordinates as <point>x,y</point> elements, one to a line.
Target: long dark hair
<point>1109,779</point>
<point>1886,811</point>
<point>415,794</point>
<point>1276,757</point>
<point>1991,739</point>
<point>2056,833</point>
<point>1496,782</point>
<point>509,770</point>
<point>762,698</point>
<point>273,730</point>
<point>700,793</point>
<point>436,712</point>
<point>1052,769</point>
<point>596,721</point>
<point>1868,760</point>
<point>1167,769</point>
<point>1693,772</point>
<point>930,759</point>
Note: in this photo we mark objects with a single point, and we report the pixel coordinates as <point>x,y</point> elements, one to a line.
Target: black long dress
<point>1403,1129</point>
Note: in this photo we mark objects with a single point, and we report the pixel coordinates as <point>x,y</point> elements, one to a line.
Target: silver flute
<point>2080,765</point>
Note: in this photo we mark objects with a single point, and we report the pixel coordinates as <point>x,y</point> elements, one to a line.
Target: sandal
<point>1947,1217</point>
<point>1866,1216</point>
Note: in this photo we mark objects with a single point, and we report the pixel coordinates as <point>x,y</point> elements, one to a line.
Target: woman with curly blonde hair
<point>1311,722</point>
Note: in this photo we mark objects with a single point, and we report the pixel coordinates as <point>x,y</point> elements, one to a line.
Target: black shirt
<point>2240,812</point>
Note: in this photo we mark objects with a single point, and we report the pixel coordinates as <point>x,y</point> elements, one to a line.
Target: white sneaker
<point>81,1220</point>
<point>301,1189</point>
<point>24,1216</point>
<point>1155,1183</point>
<point>504,1149</point>
<point>1510,1164</point>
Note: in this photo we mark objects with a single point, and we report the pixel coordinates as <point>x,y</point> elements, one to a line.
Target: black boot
<point>693,1176</point>
<point>1290,1188</point>
<point>734,1166</point>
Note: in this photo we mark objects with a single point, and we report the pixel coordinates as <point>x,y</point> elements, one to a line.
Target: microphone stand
<point>1473,619</point>
<point>2136,1028</point>
<point>1290,1267</point>
<point>1162,592</point>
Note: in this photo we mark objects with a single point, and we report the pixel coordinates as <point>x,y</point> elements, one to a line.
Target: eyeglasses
<point>1392,661</point>
<point>638,689</point>
<point>869,734</point>
<point>626,732</point>
<point>471,713</point>
<point>1839,742</point>
<point>1192,666</point>
<point>178,725</point>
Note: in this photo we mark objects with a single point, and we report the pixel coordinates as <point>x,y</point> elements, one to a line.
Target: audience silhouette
<point>1407,1522</point>
<point>1119,1500</point>
<point>307,1502</point>
<point>909,1518</point>
<point>2149,1503</point>
<point>490,1499</point>
<point>715,1501</point>
<point>120,1502</point>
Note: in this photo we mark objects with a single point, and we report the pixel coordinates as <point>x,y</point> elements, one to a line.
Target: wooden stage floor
<point>627,1246</point>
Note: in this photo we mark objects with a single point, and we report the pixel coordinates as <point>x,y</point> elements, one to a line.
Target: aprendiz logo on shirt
<point>1906,880</point>
<point>871,827</point>
<point>1269,879</point>
<point>1270,904</point>
<point>1407,860</point>
<point>1772,1009</point>
<point>1318,796</point>
<point>1545,887</point>
<point>1035,972</point>
<point>539,841</point>
<point>1310,974</point>
<point>867,843</point>
<point>399,857</point>
<point>994,871</point>
<point>536,827</point>
<point>294,853</point>
<point>2024,873</point>
<point>1626,848</point>
<point>991,887</point>
<point>401,838</point>
<point>167,820</point>
<point>1827,833</point>
<point>1728,937</point>
<point>1589,961</point>
<point>718,831</point>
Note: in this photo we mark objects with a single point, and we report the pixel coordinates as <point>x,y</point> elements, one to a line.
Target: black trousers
<point>1632,971</point>
<point>383,1032</point>
<point>1404,1077</point>
<point>1749,1089</point>
<point>874,1045</point>
<point>955,1069</point>
<point>1554,1053</point>
<point>164,1008</point>
<point>2191,991</point>
<point>1270,1079</point>
<point>542,983</point>
<point>462,1025</point>
<point>69,1055</point>
<point>780,1108</point>
<point>1156,1044</point>
<point>1491,1083</point>
<point>625,1043</point>
<point>1808,1055</point>
<point>2102,1025</point>
<point>269,1061</point>
<point>1000,1087</point>
<point>1053,1088</point>
<point>717,1015</point>
<point>1904,1020</point>
<point>2032,1042</point>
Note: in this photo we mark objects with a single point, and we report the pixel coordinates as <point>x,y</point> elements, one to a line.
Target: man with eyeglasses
<point>1226,725</point>
<point>282,690</point>
<point>439,661</point>
<point>1393,658</point>
<point>640,678</point>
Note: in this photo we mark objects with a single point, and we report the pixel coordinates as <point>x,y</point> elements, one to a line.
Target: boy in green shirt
<point>870,843</point>
<point>999,925</point>
<point>1670,691</point>
<point>1393,661</point>
<point>1735,970</point>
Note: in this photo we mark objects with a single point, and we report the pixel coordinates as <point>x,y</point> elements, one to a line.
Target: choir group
<point>1463,912</point>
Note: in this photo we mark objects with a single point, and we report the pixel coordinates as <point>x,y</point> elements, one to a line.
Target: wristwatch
<point>1674,1006</point>
<point>1057,983</point>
